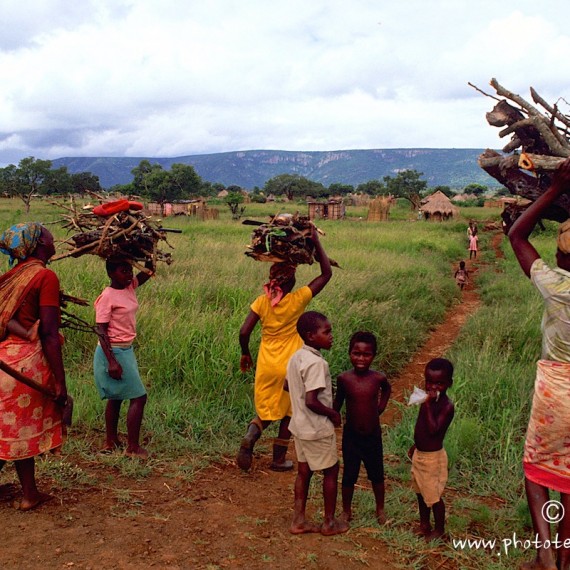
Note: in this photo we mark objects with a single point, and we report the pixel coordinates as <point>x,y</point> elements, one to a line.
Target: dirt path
<point>222,519</point>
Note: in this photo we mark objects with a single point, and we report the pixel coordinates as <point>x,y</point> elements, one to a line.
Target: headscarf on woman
<point>279,274</point>
<point>20,240</point>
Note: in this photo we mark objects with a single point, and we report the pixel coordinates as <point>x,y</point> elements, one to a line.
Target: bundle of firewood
<point>127,234</point>
<point>286,238</point>
<point>539,142</point>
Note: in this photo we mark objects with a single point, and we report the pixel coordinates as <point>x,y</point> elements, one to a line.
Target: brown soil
<point>223,518</point>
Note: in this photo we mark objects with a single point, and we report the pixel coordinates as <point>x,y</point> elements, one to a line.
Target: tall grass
<point>395,279</point>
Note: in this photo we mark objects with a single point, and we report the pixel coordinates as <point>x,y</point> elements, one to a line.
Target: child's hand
<point>115,370</point>
<point>335,419</point>
<point>245,363</point>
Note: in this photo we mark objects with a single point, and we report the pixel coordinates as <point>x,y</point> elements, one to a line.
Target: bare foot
<point>304,528</point>
<point>381,517</point>
<point>434,535</point>
<point>335,527</point>
<point>346,516</point>
<point>280,467</point>
<point>422,530</point>
<point>29,504</point>
<point>137,452</point>
<point>110,446</point>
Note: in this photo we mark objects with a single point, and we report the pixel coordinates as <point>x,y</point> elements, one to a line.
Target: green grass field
<point>397,281</point>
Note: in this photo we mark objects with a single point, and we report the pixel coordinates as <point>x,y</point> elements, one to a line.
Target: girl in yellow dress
<point>278,310</point>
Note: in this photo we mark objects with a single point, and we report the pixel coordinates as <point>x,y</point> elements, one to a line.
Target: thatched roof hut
<point>438,207</point>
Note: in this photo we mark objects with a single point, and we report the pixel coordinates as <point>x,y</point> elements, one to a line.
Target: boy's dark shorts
<point>367,449</point>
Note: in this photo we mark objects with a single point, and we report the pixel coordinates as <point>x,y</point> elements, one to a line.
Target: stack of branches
<point>286,238</point>
<point>71,321</point>
<point>539,142</point>
<point>129,235</point>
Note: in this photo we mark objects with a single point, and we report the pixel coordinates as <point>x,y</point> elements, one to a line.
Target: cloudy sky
<point>178,77</point>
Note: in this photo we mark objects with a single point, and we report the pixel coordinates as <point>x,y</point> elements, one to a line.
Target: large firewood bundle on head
<point>539,142</point>
<point>116,229</point>
<point>286,238</point>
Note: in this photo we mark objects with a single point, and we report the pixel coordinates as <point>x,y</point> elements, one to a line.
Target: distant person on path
<point>473,241</point>
<point>429,458</point>
<point>546,451</point>
<point>115,366</point>
<point>30,422</point>
<point>312,424</point>
<point>461,275</point>
<point>278,310</point>
<point>366,393</point>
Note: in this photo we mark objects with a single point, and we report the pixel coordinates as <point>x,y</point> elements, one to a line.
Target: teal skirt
<point>130,385</point>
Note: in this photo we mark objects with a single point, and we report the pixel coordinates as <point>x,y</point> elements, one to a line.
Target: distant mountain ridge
<point>450,167</point>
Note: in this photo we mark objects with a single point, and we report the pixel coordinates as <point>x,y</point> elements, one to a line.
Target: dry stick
<point>483,92</point>
<point>92,245</point>
<point>83,248</point>
<point>539,120</point>
<point>552,110</point>
<point>106,227</point>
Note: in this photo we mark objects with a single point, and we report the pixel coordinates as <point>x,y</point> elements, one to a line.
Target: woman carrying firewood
<point>30,422</point>
<point>115,366</point>
<point>547,451</point>
<point>278,310</point>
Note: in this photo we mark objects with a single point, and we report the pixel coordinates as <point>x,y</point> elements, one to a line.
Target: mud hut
<point>331,210</point>
<point>438,207</point>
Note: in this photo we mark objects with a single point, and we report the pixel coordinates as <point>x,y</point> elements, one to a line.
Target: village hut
<point>331,210</point>
<point>438,207</point>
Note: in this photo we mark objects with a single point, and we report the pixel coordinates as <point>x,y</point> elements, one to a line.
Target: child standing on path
<point>115,366</point>
<point>366,393</point>
<point>312,423</point>
<point>473,240</point>
<point>429,459</point>
<point>461,275</point>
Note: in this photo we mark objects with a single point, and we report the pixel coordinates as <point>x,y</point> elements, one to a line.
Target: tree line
<point>151,181</point>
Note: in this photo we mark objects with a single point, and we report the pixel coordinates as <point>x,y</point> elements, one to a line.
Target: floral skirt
<point>30,423</point>
<point>547,446</point>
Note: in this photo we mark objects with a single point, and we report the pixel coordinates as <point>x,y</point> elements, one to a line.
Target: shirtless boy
<point>366,393</point>
<point>429,459</point>
<point>312,423</point>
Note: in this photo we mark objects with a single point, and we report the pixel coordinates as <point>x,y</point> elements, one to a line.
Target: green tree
<point>85,182</point>
<point>477,189</point>
<point>186,179</point>
<point>234,200</point>
<point>57,181</point>
<point>338,189</point>
<point>372,188</point>
<point>407,184</point>
<point>292,186</point>
<point>142,174</point>
<point>26,179</point>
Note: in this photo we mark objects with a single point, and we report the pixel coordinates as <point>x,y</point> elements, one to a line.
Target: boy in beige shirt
<point>313,422</point>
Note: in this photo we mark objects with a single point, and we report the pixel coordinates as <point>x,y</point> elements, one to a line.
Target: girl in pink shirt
<point>115,366</point>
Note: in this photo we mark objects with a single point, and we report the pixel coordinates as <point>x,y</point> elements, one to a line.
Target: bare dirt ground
<point>222,518</point>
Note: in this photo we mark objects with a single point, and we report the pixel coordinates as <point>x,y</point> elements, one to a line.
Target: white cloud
<point>147,78</point>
